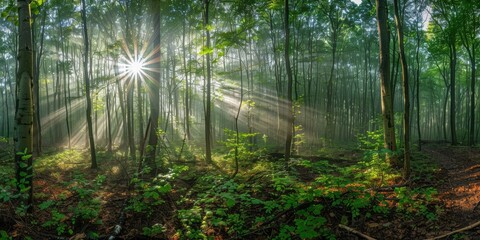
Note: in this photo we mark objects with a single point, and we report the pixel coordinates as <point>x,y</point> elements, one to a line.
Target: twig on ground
<point>355,232</point>
<point>456,231</point>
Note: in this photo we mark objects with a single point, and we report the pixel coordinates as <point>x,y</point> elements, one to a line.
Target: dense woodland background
<point>227,94</point>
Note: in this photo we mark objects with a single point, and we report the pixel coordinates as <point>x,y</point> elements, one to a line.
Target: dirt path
<point>458,184</point>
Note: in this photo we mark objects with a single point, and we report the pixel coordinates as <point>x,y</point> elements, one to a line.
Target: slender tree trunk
<point>237,134</point>
<point>109,119</point>
<point>288,107</point>
<point>37,132</point>
<point>406,94</point>
<point>208,124</point>
<point>24,105</point>
<point>417,82</point>
<point>187,88</point>
<point>130,125</point>
<point>154,86</point>
<point>87,88</point>
<point>453,63</point>
<point>471,139</point>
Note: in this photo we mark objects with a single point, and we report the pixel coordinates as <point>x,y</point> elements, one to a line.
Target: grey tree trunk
<point>87,88</point>
<point>24,105</point>
<point>406,94</point>
<point>288,107</point>
<point>208,103</point>
<point>385,81</point>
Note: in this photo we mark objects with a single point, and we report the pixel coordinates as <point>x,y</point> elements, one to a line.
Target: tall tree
<point>208,81</point>
<point>154,87</point>
<point>446,20</point>
<point>385,81</point>
<point>24,104</point>
<point>406,89</point>
<point>288,107</point>
<point>470,30</point>
<point>87,87</point>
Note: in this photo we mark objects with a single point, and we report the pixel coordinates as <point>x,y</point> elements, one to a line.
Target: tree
<point>406,89</point>
<point>208,82</point>
<point>24,104</point>
<point>154,86</point>
<point>385,81</point>
<point>470,29</point>
<point>288,107</point>
<point>335,11</point>
<point>87,87</point>
<point>446,23</point>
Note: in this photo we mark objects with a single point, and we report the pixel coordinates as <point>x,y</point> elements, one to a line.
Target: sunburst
<point>139,64</point>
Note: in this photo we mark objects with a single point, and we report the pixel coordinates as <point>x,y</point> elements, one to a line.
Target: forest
<point>239,119</point>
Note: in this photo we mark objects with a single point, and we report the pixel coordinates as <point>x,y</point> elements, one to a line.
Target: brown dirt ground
<point>458,184</point>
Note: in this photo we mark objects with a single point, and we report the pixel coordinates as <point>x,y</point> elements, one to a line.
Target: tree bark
<point>288,107</point>
<point>453,63</point>
<point>406,94</point>
<point>154,86</point>
<point>385,81</point>
<point>87,88</point>
<point>208,124</point>
<point>24,105</point>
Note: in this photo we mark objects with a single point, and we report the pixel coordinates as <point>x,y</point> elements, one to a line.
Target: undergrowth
<point>268,197</point>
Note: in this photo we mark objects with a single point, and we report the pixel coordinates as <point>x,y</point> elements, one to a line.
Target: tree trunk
<point>24,105</point>
<point>385,81</point>
<point>288,107</point>
<point>453,63</point>
<point>187,88</point>
<point>208,124</point>
<point>406,94</point>
<point>154,86</point>
<point>37,132</point>
<point>87,88</point>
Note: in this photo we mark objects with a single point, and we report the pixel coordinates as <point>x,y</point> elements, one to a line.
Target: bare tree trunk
<point>289,110</point>
<point>385,81</point>
<point>37,132</point>
<point>208,124</point>
<point>87,88</point>
<point>453,63</point>
<point>24,105</point>
<point>154,86</point>
<point>406,94</point>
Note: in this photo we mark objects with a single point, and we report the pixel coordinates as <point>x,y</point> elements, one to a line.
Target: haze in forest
<point>241,119</point>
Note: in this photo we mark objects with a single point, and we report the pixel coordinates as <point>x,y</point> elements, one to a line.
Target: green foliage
<point>65,220</point>
<point>245,147</point>
<point>58,222</point>
<point>154,230</point>
<point>149,193</point>
<point>416,201</point>
<point>371,140</point>
<point>4,235</point>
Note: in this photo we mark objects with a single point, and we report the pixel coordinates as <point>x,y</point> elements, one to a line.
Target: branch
<point>456,231</point>
<point>356,232</point>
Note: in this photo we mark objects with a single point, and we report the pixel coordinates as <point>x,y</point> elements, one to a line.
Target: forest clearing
<point>239,119</point>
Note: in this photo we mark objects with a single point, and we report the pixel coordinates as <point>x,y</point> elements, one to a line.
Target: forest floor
<point>458,185</point>
<point>72,202</point>
<point>456,178</point>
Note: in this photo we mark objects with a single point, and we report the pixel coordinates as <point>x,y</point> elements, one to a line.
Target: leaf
<point>205,50</point>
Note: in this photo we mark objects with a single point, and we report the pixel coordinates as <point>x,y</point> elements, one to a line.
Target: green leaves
<point>205,50</point>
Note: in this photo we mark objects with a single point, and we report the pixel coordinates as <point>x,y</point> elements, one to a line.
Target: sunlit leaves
<point>205,50</point>
<point>275,4</point>
<point>9,13</point>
